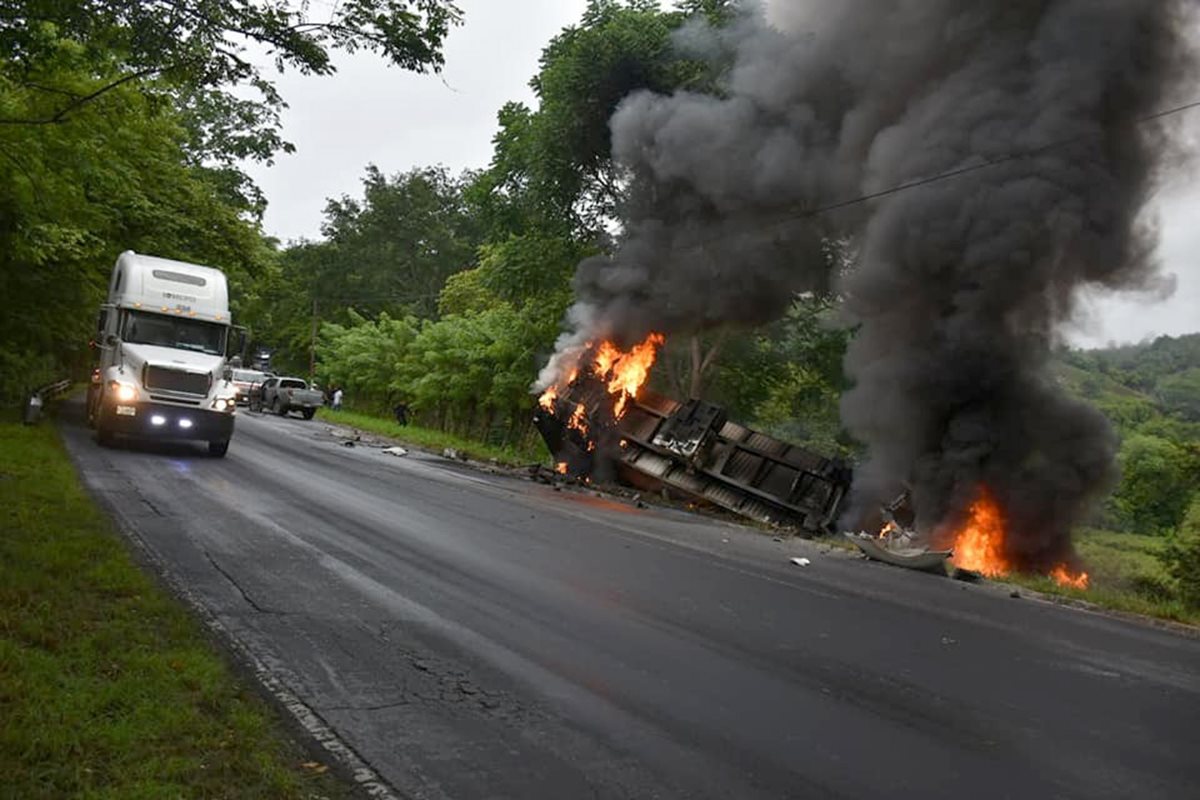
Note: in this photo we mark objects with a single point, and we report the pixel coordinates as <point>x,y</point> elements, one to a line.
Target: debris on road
<point>394,451</point>
<point>800,562</point>
<point>898,543</point>
<point>348,443</point>
<point>453,454</point>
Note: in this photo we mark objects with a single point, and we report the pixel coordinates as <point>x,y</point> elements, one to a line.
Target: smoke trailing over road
<point>958,285</point>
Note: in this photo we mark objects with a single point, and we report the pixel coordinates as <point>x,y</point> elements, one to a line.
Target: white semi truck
<point>162,339</point>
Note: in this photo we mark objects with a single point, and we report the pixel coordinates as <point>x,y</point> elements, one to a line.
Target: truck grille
<point>174,380</point>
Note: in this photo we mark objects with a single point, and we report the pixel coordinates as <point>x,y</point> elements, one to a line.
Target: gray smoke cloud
<point>959,285</point>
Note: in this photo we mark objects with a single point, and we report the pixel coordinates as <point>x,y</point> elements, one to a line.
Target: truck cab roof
<point>165,286</point>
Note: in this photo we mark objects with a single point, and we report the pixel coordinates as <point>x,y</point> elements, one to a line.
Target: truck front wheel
<point>218,449</point>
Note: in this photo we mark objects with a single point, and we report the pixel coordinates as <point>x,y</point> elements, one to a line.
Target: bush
<point>1157,476</point>
<point>1182,555</point>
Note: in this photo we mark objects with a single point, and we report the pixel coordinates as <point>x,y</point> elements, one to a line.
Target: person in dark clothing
<point>401,412</point>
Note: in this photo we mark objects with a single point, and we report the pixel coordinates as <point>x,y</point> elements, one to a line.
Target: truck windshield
<point>164,331</point>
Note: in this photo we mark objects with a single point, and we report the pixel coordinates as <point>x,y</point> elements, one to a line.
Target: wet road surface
<point>470,635</point>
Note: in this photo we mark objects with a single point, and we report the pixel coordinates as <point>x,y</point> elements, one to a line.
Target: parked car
<point>283,395</point>
<point>244,380</point>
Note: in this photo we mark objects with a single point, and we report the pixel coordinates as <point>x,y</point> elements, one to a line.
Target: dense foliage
<point>122,123</point>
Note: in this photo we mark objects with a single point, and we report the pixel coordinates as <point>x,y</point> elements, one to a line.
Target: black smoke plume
<point>958,285</point>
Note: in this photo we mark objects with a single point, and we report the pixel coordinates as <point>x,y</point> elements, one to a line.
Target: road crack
<point>245,595</point>
<point>355,707</point>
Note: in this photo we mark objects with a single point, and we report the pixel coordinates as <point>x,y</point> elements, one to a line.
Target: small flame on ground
<point>561,468</point>
<point>979,545</point>
<point>1064,577</point>
<point>889,529</point>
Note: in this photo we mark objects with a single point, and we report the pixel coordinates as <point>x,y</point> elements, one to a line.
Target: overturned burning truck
<point>600,422</point>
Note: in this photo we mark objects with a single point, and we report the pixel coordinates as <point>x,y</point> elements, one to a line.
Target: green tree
<point>202,47</point>
<point>1158,478</point>
<point>116,176</point>
<point>367,358</point>
<point>553,165</point>
<point>397,246</point>
<point>1182,555</point>
<point>1179,393</point>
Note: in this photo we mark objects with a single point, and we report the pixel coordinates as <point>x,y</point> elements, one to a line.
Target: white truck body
<point>161,343</point>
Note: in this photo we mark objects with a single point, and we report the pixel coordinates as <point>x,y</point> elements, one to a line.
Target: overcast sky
<point>371,114</point>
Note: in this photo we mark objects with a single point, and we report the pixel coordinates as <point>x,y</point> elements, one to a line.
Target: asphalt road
<point>471,635</point>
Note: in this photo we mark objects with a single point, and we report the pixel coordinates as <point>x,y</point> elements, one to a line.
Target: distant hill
<point>1164,373</point>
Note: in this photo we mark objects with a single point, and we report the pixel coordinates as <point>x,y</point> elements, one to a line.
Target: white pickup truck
<point>282,395</point>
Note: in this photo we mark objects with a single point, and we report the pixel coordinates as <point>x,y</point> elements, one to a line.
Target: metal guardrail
<point>36,401</point>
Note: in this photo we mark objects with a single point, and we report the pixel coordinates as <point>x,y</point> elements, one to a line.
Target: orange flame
<point>561,468</point>
<point>547,399</point>
<point>578,420</point>
<point>979,543</point>
<point>1063,576</point>
<point>888,529</point>
<point>623,374</point>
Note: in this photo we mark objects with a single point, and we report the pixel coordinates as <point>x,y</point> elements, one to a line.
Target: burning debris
<point>977,545</point>
<point>981,544</point>
<point>897,542</point>
<point>601,421</point>
<point>981,161</point>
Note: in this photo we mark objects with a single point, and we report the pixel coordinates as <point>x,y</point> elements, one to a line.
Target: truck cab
<point>162,340</point>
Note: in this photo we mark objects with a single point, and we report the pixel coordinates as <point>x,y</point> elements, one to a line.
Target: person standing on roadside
<point>337,399</point>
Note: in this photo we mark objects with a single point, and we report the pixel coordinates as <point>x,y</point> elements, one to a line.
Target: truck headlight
<point>124,392</point>
<point>225,403</point>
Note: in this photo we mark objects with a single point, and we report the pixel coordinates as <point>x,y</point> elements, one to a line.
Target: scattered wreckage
<point>898,543</point>
<point>691,449</point>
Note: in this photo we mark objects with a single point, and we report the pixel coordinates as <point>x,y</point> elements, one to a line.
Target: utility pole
<point>312,346</point>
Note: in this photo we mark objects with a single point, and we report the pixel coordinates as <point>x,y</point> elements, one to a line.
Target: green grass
<point>1126,575</point>
<point>436,440</point>
<point>108,687</point>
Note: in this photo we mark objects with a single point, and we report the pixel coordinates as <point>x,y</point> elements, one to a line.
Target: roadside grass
<point>432,439</point>
<point>108,688</point>
<point>1126,575</point>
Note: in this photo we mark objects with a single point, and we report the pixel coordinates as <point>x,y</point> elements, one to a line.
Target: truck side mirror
<point>239,337</point>
<point>227,373</point>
